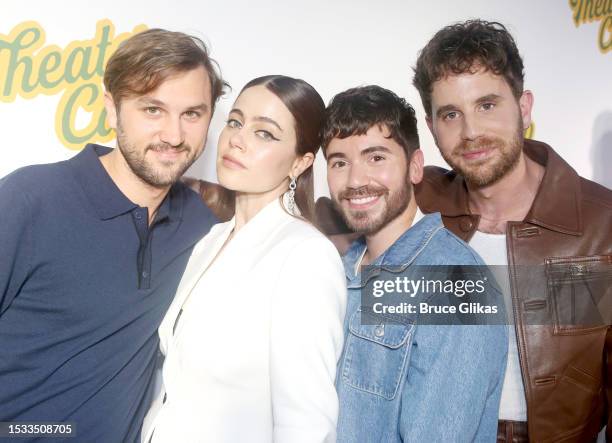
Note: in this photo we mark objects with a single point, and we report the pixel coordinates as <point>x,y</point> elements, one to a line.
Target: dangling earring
<point>291,195</point>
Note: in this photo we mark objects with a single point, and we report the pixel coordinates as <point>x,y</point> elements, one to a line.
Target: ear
<point>111,110</point>
<point>302,163</point>
<point>525,105</point>
<point>415,167</point>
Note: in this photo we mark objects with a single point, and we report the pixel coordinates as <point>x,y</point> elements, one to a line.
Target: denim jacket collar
<point>401,253</point>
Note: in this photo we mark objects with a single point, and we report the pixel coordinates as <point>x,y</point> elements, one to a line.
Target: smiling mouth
<point>363,202</point>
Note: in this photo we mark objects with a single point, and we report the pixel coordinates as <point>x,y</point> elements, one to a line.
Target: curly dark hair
<point>356,110</point>
<point>467,47</point>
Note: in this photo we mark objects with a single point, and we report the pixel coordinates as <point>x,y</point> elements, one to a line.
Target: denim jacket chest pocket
<point>376,355</point>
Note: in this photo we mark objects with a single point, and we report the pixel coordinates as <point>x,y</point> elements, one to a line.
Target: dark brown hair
<point>467,47</point>
<point>356,110</point>
<point>145,60</point>
<point>308,111</point>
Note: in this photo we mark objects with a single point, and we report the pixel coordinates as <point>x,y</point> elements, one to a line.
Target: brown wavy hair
<point>145,60</point>
<point>466,47</point>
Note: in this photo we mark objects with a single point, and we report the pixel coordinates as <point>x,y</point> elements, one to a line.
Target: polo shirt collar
<point>105,197</point>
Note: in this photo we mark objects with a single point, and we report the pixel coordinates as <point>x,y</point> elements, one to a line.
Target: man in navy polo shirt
<point>93,248</point>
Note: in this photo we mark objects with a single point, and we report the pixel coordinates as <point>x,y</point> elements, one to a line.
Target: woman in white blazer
<point>253,336</point>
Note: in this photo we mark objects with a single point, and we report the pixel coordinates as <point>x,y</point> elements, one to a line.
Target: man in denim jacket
<point>402,381</point>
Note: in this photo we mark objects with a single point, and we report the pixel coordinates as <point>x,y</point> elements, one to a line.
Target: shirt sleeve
<point>15,240</point>
<point>455,380</point>
<point>306,337</point>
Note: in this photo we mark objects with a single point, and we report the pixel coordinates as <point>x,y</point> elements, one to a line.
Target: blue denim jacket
<point>418,383</point>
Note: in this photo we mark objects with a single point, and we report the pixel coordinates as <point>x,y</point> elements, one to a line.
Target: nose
<point>172,131</point>
<point>471,128</point>
<point>236,139</point>
<point>358,176</point>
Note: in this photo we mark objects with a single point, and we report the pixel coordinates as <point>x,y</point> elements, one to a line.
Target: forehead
<point>456,88</point>
<point>258,101</point>
<point>182,89</point>
<point>376,137</point>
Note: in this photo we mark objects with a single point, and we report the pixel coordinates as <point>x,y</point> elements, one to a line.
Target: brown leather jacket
<point>567,370</point>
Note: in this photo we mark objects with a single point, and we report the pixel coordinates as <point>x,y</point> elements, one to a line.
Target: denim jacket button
<point>380,330</point>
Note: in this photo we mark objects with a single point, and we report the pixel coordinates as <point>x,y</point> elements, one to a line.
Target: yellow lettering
<point>28,68</point>
<point>605,35</point>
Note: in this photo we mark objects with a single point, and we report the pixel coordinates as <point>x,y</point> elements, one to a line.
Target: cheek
<point>446,136</point>
<point>138,130</point>
<point>195,134</point>
<point>222,143</point>
<point>272,163</point>
<point>336,181</point>
<point>392,176</point>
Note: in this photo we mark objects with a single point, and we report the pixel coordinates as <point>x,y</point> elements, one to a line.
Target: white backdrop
<point>333,46</point>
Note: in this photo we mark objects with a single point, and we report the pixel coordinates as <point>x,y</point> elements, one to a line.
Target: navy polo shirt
<point>84,285</point>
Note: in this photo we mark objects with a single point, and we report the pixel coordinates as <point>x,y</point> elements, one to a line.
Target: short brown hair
<point>466,47</point>
<point>144,61</point>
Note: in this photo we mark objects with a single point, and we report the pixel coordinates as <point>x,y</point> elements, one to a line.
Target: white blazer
<point>251,341</point>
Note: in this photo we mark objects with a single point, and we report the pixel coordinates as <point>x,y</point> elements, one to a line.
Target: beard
<point>395,203</point>
<point>160,175</point>
<point>488,171</point>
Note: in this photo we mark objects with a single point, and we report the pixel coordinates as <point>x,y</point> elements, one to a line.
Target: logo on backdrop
<point>29,68</point>
<point>588,11</point>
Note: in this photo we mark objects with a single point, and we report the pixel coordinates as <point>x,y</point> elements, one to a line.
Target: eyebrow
<point>372,149</point>
<point>335,155</point>
<point>367,151</point>
<point>483,99</point>
<point>489,98</point>
<point>444,109</point>
<point>146,100</point>
<point>259,118</point>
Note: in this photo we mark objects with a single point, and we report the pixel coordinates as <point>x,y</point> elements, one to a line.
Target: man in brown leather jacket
<point>517,202</point>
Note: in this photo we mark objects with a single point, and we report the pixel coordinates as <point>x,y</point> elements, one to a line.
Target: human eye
<point>488,106</point>
<point>152,110</point>
<point>233,123</point>
<point>192,115</point>
<point>451,115</point>
<point>337,164</point>
<point>265,135</point>
<point>377,158</point>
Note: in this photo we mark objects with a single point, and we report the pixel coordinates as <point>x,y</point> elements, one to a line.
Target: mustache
<point>166,147</point>
<point>363,191</point>
<point>466,146</point>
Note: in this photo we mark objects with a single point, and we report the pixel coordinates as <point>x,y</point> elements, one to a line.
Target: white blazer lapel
<point>201,257</point>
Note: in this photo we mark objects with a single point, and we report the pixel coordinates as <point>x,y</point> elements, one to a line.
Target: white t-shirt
<point>492,249</point>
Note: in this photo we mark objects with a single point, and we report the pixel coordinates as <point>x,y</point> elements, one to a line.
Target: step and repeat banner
<point>52,58</point>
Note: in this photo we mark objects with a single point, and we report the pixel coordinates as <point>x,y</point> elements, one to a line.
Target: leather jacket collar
<point>555,207</point>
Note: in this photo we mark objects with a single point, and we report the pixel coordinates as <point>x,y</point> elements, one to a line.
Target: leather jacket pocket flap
<point>580,290</point>
<point>379,329</point>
